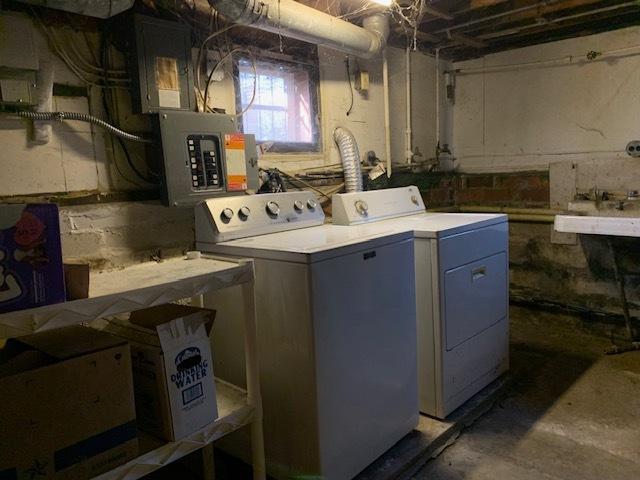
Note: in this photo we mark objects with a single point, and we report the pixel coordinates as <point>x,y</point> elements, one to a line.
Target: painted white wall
<point>423,104</point>
<point>526,118</point>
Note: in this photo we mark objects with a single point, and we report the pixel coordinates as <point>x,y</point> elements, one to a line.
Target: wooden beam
<point>422,36</point>
<point>436,12</point>
<point>484,3</point>
<point>467,40</point>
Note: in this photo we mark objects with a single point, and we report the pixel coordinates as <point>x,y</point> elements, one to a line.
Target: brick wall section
<point>512,189</point>
<point>528,189</point>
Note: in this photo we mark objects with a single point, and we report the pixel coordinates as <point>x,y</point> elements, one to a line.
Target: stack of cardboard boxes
<point>72,399</point>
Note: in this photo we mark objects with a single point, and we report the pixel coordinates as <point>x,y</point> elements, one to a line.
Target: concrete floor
<point>570,411</point>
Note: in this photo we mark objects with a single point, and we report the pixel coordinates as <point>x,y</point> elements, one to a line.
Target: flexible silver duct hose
<point>82,117</point>
<point>350,156</point>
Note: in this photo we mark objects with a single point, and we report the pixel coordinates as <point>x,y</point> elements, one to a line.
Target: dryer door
<point>475,298</point>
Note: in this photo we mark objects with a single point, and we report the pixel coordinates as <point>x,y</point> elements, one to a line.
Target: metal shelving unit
<point>145,285</point>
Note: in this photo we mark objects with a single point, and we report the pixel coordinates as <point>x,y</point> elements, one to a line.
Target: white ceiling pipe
<point>295,20</point>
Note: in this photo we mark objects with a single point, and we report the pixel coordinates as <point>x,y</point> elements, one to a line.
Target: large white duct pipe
<point>295,20</point>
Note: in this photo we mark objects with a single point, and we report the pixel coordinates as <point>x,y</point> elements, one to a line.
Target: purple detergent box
<point>31,272</point>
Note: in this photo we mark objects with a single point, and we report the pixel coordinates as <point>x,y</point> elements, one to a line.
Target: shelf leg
<point>253,380</point>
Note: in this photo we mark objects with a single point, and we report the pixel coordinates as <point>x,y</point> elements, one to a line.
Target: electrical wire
<point>199,58</point>
<point>255,87</point>
<point>98,70</point>
<point>105,102</point>
<point>346,63</point>
<point>308,185</point>
<point>75,69</point>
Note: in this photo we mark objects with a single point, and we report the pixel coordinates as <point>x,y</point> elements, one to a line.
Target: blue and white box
<point>173,380</point>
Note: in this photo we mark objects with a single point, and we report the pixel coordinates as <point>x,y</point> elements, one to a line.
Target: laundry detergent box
<point>172,368</point>
<point>66,405</point>
<point>31,272</point>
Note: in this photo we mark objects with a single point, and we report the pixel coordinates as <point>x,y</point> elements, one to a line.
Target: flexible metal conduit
<point>295,20</point>
<point>81,117</point>
<point>350,156</point>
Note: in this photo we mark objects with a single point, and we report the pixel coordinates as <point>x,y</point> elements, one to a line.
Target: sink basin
<point>614,226</point>
<point>606,208</point>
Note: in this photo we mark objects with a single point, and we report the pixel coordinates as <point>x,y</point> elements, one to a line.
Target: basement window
<point>284,112</point>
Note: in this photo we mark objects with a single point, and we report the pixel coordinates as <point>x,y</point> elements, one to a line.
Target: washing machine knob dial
<point>298,205</point>
<point>361,207</point>
<point>245,212</point>
<point>414,199</point>
<point>227,214</point>
<point>273,208</point>
<point>311,204</point>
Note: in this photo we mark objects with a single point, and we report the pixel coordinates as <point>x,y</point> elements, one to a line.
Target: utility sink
<point>605,217</point>
<point>606,208</point>
<point>614,226</point>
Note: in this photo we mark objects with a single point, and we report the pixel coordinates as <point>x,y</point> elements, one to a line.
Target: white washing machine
<point>462,291</point>
<point>336,328</point>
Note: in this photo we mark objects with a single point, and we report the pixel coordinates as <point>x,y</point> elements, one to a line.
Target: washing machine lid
<point>311,244</point>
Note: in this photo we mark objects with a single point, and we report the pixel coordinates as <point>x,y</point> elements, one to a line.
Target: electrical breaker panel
<point>204,156</point>
<point>161,66</point>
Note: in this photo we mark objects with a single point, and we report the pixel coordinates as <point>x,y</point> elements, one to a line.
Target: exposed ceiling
<point>464,29</point>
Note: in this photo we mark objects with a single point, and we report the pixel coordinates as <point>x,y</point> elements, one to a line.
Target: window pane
<point>282,111</point>
<point>279,93</point>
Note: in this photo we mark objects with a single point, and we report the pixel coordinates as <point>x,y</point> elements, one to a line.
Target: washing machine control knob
<point>273,208</point>
<point>311,204</point>
<point>245,212</point>
<point>361,207</point>
<point>298,205</point>
<point>414,199</point>
<point>227,214</point>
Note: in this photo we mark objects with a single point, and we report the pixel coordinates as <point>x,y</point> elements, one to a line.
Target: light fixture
<point>386,3</point>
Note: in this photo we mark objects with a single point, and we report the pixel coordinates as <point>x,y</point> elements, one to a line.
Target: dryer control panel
<point>374,205</point>
<point>229,218</point>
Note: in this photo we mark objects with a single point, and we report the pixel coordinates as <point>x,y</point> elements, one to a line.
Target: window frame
<point>313,73</point>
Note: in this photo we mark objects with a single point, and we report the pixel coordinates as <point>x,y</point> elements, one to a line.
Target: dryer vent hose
<point>81,117</point>
<point>350,156</point>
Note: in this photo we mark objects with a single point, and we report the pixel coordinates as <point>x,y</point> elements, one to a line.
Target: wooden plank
<point>484,3</point>
<point>552,7</point>
<point>431,436</point>
<point>436,12</point>
<point>467,40</point>
<point>422,36</point>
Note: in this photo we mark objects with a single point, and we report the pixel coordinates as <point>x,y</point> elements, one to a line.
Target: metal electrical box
<point>204,156</point>
<point>161,66</point>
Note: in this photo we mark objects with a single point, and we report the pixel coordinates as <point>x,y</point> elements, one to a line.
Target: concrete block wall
<point>114,234</point>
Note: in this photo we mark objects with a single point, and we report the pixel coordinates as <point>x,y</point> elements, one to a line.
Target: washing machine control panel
<point>227,218</point>
<point>374,205</point>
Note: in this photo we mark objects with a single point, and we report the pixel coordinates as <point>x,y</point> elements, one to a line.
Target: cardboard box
<point>31,273</point>
<point>66,405</point>
<point>172,368</point>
